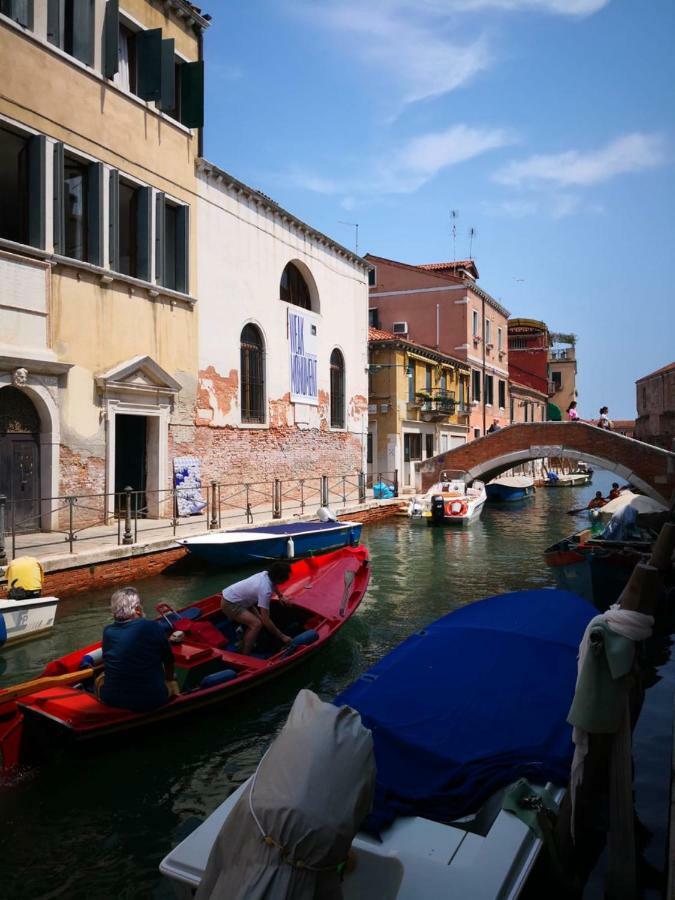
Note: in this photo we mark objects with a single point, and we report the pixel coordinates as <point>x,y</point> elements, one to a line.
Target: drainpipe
<point>483,391</point>
<point>438,326</point>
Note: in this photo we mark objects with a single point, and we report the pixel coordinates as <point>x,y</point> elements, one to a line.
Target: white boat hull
<point>23,620</point>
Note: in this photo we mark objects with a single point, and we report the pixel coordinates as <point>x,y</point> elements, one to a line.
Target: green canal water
<point>97,826</point>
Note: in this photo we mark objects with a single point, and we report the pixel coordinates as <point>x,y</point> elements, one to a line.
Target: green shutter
<point>159,239</point>
<point>149,63</point>
<point>144,233</point>
<point>183,249</point>
<point>168,98</point>
<point>83,31</point>
<point>55,22</point>
<point>37,195</point>
<point>114,220</point>
<point>95,213</point>
<point>111,38</point>
<point>192,94</point>
<point>59,210</point>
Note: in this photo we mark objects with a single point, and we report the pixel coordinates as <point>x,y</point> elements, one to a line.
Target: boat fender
<point>3,630</point>
<point>217,678</point>
<point>302,640</point>
<point>92,659</point>
<point>290,548</point>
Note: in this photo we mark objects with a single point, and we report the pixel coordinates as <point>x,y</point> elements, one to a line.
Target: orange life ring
<point>456,508</point>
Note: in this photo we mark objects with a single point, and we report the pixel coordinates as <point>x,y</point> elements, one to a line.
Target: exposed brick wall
<point>655,467</point>
<point>80,475</point>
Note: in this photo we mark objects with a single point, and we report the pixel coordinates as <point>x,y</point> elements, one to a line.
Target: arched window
<point>337,390</point>
<point>252,375</point>
<point>293,287</point>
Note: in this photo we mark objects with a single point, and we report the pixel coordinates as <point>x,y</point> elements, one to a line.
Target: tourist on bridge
<point>604,421</point>
<point>597,502</point>
<point>572,413</point>
<point>138,668</point>
<point>494,427</point>
<point>247,603</point>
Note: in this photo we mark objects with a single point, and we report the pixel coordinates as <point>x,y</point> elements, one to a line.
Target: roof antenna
<point>454,215</point>
<point>355,226</point>
<point>472,235</point>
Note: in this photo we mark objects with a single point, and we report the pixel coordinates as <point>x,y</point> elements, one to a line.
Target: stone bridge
<point>648,468</point>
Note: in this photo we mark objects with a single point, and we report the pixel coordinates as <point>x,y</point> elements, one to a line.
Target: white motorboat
<point>566,479</point>
<point>450,501</point>
<point>23,620</point>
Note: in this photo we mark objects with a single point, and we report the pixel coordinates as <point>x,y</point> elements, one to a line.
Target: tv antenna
<point>454,215</point>
<point>472,235</point>
<point>355,226</point>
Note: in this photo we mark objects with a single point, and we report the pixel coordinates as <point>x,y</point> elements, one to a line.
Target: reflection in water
<point>98,825</point>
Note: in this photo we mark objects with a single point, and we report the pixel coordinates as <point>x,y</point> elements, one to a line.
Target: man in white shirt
<point>247,602</point>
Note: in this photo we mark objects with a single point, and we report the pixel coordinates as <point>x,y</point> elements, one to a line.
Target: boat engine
<point>437,507</point>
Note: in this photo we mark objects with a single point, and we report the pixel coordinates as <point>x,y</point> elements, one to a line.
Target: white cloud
<point>630,153</point>
<point>558,7</point>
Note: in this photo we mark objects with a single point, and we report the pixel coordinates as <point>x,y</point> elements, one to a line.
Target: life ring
<point>456,508</point>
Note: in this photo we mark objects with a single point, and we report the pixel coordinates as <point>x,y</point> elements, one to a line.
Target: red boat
<point>324,591</point>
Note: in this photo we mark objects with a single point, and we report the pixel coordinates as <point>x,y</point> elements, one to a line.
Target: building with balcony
<point>562,373</point>
<point>100,122</point>
<point>528,370</point>
<point>418,405</point>
<point>655,423</point>
<point>442,306</point>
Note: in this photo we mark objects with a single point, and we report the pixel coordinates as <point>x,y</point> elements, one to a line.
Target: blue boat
<point>509,488</point>
<point>268,542</point>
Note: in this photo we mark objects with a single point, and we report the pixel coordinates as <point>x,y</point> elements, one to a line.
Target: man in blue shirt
<point>138,665</point>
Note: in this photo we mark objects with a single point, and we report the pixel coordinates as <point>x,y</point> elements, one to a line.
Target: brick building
<point>528,370</point>
<point>655,423</point>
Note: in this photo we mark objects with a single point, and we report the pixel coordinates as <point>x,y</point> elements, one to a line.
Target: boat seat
<point>192,613</point>
<point>241,661</point>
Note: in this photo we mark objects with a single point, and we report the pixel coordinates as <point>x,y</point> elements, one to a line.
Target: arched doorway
<point>20,459</point>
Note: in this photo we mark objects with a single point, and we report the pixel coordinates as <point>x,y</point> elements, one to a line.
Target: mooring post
<point>276,499</point>
<point>127,537</point>
<point>3,553</point>
<point>362,487</point>
<point>213,523</point>
<point>324,490</point>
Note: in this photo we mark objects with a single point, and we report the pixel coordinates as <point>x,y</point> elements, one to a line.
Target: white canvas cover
<point>312,790</point>
<point>641,504</point>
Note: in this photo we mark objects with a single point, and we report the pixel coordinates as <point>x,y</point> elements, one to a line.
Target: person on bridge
<point>597,502</point>
<point>494,427</point>
<point>138,667</point>
<point>572,414</point>
<point>247,603</point>
<point>604,421</point>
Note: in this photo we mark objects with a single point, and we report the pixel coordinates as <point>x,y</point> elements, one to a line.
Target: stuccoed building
<point>100,116</point>
<point>282,385</point>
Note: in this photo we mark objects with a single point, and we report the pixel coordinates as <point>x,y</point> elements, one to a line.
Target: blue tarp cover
<point>472,703</point>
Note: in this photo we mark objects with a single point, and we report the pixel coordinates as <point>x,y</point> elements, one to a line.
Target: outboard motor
<point>437,509</point>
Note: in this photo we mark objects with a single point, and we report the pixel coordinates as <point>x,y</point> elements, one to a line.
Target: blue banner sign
<point>303,342</point>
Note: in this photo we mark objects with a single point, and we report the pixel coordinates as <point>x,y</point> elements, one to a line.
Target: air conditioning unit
<point>400,327</point>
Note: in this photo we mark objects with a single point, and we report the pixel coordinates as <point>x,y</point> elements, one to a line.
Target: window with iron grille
<point>293,287</point>
<point>252,375</point>
<point>337,390</point>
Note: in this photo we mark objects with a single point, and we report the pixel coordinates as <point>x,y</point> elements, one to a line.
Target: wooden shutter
<point>59,210</point>
<point>192,94</point>
<point>37,190</point>
<point>159,238</point>
<point>83,31</point>
<point>149,64</point>
<point>144,233</point>
<point>114,220</point>
<point>111,38</point>
<point>183,249</point>
<point>95,213</point>
<point>168,76</point>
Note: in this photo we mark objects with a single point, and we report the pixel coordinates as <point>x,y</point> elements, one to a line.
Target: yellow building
<point>418,405</point>
<point>101,112</point>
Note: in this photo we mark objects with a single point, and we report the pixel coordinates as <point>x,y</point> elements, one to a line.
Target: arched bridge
<point>649,468</point>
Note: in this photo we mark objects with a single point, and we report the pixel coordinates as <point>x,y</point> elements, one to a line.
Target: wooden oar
<point>39,684</point>
<point>574,512</point>
<point>349,579</point>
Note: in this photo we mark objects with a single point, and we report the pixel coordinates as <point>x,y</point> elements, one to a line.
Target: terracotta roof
<point>378,334</point>
<point>457,264</point>
<point>662,371</point>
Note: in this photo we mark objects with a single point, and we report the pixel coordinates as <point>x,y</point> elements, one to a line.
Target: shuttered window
<point>70,26</point>
<point>337,390</point>
<point>502,394</point>
<point>252,376</point>
<point>475,384</point>
<point>172,244</point>
<point>20,11</point>
<point>78,207</point>
<point>22,187</point>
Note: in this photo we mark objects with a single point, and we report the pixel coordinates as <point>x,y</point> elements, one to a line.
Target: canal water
<point>97,826</point>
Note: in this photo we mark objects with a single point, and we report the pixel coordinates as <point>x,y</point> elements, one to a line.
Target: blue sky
<point>547,124</point>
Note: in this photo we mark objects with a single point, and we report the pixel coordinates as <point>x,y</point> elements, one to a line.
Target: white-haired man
<point>138,665</point>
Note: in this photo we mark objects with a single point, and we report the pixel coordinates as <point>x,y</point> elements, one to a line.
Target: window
<point>373,318</point>
<point>252,376</point>
<point>128,229</point>
<point>369,448</point>
<point>126,74</point>
<point>502,394</point>
<point>512,417</point>
<point>488,331</point>
<point>429,442</point>
<point>22,187</point>
<point>526,411</point>
<point>412,447</point>
<point>293,288</point>
<point>489,392</point>
<point>70,26</point>
<point>556,378</point>
<point>75,199</point>
<point>372,277</point>
<point>475,384</point>
<point>20,11</point>
<point>500,339</point>
<point>337,390</point>
<point>517,343</point>
<point>172,244</point>
<point>411,382</point>
<point>444,382</point>
<point>427,378</point>
<point>474,323</point>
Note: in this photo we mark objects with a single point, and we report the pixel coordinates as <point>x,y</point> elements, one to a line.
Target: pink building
<point>441,305</point>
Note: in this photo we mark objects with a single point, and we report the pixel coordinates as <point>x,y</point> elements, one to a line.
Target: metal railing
<point>123,516</point>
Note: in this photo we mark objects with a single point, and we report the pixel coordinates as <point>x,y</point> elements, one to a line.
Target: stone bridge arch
<point>648,468</point>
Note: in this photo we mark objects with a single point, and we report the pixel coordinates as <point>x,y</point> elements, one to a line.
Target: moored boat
<point>24,620</point>
<point>265,542</point>
<point>450,501</point>
<point>509,488</point>
<point>567,479</point>
<point>322,593</point>
<point>453,741</point>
